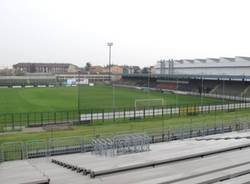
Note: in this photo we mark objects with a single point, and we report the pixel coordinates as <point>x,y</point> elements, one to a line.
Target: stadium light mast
<point>110,44</point>
<point>79,95</point>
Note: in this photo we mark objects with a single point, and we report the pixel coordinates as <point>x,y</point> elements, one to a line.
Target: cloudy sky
<point>143,31</point>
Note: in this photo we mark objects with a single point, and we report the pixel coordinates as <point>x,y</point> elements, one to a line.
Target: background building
<point>53,68</point>
<point>96,69</point>
<point>115,69</point>
<point>6,72</point>
<point>131,70</point>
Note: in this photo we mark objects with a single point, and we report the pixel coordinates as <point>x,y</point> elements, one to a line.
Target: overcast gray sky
<point>143,31</point>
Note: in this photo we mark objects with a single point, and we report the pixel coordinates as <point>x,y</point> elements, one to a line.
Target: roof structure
<point>66,65</point>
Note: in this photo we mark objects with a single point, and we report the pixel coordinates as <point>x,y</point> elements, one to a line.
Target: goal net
<point>141,103</point>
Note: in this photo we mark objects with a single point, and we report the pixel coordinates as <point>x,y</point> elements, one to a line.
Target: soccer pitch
<point>97,97</point>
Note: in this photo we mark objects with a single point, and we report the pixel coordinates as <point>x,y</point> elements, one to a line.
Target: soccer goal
<point>141,103</point>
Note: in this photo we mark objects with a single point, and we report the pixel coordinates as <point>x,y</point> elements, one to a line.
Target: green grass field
<point>100,96</point>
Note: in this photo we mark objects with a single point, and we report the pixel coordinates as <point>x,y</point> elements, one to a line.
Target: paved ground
<point>24,130</point>
<point>234,164</point>
<point>20,172</point>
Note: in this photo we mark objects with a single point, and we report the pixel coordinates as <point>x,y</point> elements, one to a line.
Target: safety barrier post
<point>41,118</point>
<point>124,113</point>
<point>143,112</point>
<point>102,115</point>
<point>55,117</point>
<point>134,113</point>
<point>82,144</point>
<point>179,110</point>
<point>153,111</point>
<point>28,119</point>
<point>67,114</point>
<point>12,120</point>
<point>162,111</point>
<point>91,116</point>
<point>171,110</point>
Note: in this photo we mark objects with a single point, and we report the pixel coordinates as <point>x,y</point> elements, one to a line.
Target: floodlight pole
<point>78,96</point>
<point>113,105</point>
<point>110,44</point>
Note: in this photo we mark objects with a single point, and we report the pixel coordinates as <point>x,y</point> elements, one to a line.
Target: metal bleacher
<point>231,89</point>
<point>188,161</point>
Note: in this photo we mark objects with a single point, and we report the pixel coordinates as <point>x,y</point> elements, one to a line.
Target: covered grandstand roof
<point>191,76</point>
<point>237,66</point>
<point>218,62</point>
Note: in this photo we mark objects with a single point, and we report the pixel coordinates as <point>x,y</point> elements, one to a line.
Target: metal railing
<point>121,144</point>
<point>77,144</point>
<point>18,121</point>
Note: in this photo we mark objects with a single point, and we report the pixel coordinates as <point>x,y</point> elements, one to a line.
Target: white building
<point>210,66</point>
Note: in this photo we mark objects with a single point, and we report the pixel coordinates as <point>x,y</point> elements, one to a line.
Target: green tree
<point>145,70</point>
<point>88,66</point>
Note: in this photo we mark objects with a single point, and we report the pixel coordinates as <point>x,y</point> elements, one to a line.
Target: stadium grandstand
<point>224,76</point>
<point>26,81</point>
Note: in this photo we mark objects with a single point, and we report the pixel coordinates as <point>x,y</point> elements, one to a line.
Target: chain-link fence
<point>1,154</point>
<point>18,121</point>
<point>13,151</point>
<point>65,145</point>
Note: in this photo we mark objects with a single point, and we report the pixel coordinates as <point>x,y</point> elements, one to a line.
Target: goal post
<point>141,103</point>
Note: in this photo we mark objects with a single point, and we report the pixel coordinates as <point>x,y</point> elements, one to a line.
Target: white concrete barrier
<point>159,111</point>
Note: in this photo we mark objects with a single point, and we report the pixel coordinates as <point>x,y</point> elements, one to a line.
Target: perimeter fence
<point>18,121</point>
<point>77,144</point>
